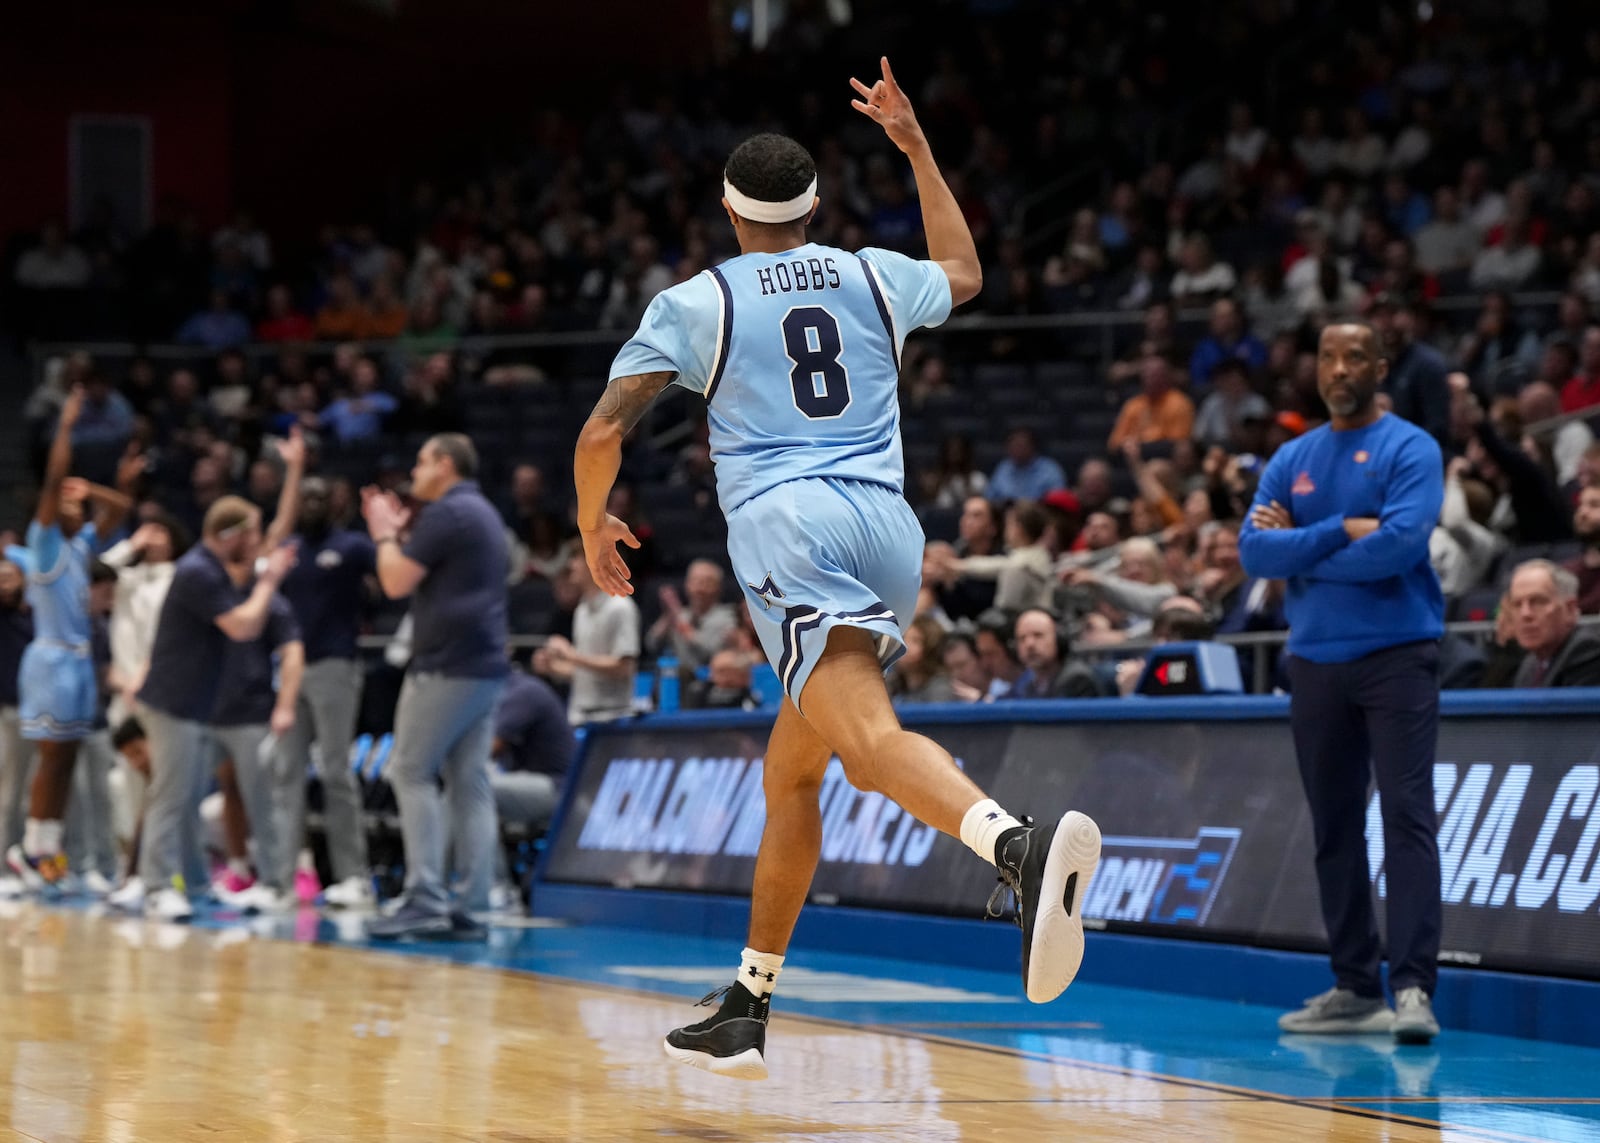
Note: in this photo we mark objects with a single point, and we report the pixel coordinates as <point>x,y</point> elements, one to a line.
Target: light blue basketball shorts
<point>816,553</point>
<point>57,695</point>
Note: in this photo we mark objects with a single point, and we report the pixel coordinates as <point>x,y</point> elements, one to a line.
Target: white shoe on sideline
<point>11,887</point>
<point>351,893</point>
<point>504,901</point>
<point>168,905</point>
<point>260,899</point>
<point>130,897</point>
<point>96,884</point>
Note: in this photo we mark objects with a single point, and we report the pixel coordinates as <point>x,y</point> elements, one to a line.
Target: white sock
<point>41,838</point>
<point>982,826</point>
<point>758,971</point>
<point>239,867</point>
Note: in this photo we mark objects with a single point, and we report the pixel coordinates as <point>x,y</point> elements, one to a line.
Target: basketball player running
<point>796,349</point>
<point>56,681</point>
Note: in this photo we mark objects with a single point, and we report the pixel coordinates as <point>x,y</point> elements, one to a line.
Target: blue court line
<point>1498,1003</point>
<point>1494,1089</point>
<point>1485,1087</point>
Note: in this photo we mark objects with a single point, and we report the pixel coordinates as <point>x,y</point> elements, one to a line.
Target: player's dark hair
<point>129,730</point>
<point>461,451</point>
<point>101,572</point>
<point>770,168</point>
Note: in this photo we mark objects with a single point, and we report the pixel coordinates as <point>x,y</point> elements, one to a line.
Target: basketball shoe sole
<point>1055,873</point>
<point>730,1042</point>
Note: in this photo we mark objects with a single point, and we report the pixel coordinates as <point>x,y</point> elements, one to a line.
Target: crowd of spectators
<point>1427,174</point>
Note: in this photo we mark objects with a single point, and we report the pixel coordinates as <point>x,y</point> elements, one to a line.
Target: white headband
<point>776,212</point>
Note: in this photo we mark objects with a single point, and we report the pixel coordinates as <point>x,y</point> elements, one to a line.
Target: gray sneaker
<point>1414,1022</point>
<point>1340,1012</point>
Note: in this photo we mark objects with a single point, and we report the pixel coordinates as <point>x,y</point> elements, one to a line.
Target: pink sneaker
<point>307,886</point>
<point>232,882</point>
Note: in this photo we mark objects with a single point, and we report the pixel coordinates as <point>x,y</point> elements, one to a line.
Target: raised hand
<point>383,512</point>
<point>131,467</point>
<point>887,106</point>
<point>280,562</point>
<point>293,449</point>
<point>74,490</point>
<point>144,536</point>
<point>72,407</point>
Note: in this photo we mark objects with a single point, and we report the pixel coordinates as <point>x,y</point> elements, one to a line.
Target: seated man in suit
<point>1544,610</point>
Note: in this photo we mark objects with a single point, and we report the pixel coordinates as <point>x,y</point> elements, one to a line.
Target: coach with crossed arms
<point>1344,514</point>
<point>453,566</point>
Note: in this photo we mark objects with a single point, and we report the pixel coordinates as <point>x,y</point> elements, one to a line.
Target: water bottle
<point>644,685</point>
<point>667,684</point>
<point>764,684</point>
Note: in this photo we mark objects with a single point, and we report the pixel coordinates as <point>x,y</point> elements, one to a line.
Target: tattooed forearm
<point>626,399</point>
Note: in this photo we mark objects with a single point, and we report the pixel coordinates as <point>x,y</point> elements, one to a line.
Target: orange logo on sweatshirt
<point>1303,485</point>
<point>1362,456</point>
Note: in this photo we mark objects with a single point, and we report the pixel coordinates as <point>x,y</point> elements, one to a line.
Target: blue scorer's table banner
<point>1206,831</point>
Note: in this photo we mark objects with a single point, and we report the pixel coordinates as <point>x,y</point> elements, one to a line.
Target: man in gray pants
<point>249,719</point>
<point>453,565</point>
<point>328,592</point>
<point>16,752</point>
<point>91,843</point>
<point>203,612</point>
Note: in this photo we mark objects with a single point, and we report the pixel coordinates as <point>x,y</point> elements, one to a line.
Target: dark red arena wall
<point>304,112</point>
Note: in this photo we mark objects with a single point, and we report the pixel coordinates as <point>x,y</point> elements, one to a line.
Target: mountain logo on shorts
<point>766,591</point>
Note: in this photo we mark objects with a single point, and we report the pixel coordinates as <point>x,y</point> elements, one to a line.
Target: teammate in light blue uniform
<point>796,349</point>
<point>56,681</point>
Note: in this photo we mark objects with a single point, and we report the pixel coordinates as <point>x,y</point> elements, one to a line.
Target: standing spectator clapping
<point>693,628</point>
<point>453,566</point>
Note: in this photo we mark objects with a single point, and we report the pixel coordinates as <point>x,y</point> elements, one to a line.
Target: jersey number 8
<point>821,382</point>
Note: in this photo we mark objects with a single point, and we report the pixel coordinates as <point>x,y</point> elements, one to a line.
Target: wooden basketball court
<point>124,1030</point>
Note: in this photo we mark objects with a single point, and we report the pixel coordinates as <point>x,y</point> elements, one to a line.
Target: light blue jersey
<point>57,695</point>
<point>58,583</point>
<point>798,357</point>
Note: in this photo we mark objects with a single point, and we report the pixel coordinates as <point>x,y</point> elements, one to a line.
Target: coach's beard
<point>1345,403</point>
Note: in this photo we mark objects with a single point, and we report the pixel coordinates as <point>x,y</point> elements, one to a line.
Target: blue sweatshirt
<point>1347,600</point>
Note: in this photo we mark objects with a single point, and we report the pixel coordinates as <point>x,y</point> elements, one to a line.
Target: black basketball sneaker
<point>730,1042</point>
<point>1048,869</point>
